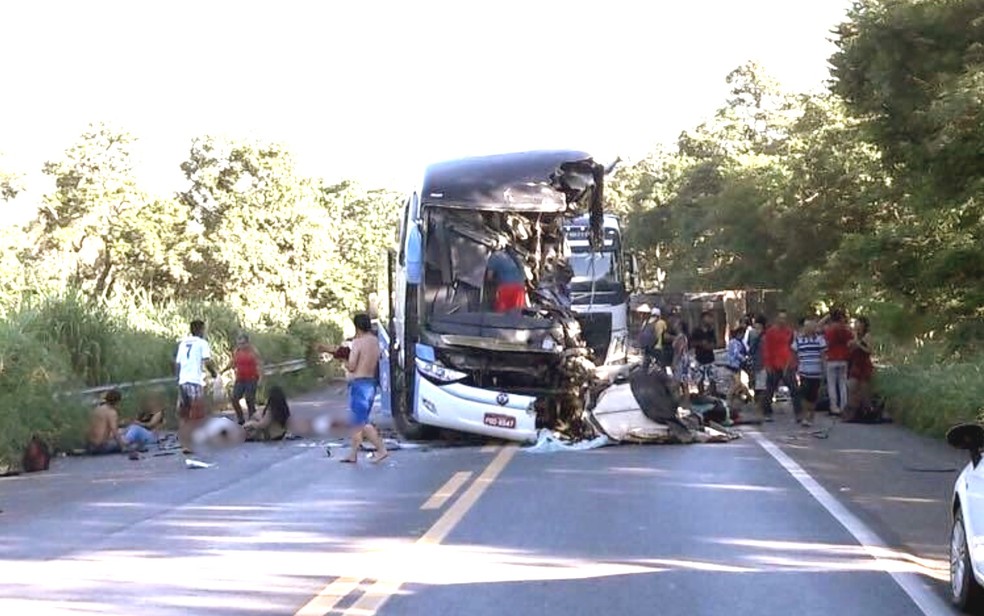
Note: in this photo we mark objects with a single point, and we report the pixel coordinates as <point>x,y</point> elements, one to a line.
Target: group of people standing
<point>194,359</point>
<point>768,356</point>
<point>361,362</point>
<point>818,350</point>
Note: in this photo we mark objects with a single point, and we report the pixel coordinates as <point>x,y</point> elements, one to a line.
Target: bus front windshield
<point>594,267</point>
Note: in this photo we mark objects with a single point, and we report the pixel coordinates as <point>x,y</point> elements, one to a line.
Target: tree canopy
<point>248,231</point>
<point>869,194</point>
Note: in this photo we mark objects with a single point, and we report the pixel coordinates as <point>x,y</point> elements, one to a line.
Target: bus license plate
<point>500,421</point>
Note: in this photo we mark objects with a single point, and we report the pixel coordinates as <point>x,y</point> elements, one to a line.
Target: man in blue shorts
<point>360,371</point>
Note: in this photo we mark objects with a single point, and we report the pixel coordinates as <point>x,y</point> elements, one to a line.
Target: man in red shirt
<point>780,363</point>
<point>839,337</point>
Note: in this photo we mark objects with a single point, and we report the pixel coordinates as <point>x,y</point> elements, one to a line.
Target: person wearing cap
<point>651,339</point>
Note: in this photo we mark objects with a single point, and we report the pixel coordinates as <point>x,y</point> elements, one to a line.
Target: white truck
<point>452,357</point>
<point>604,277</point>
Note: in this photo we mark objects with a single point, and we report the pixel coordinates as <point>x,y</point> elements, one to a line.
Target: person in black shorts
<point>703,341</point>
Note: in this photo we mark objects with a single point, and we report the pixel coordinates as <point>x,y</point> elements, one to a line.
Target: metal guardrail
<point>287,367</point>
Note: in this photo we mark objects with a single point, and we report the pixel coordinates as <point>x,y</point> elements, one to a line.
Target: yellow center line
<point>445,492</point>
<point>382,590</point>
<point>329,597</point>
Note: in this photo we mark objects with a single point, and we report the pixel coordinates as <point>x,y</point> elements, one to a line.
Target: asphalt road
<point>285,529</point>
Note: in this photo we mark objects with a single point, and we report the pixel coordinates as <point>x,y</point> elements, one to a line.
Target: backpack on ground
<point>37,456</point>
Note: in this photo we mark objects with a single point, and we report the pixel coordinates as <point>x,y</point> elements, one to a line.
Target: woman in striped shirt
<point>810,347</point>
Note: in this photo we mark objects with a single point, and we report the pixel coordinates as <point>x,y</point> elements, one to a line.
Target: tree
<point>263,241</point>
<point>12,243</point>
<point>913,73</point>
<point>364,224</point>
<point>77,230</point>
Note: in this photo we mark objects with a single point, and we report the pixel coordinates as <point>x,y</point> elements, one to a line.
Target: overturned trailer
<point>454,359</point>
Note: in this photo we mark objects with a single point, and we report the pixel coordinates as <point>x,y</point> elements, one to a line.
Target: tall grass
<point>59,343</point>
<point>929,390</point>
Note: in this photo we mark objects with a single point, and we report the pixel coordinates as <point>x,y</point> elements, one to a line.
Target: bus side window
<point>403,233</point>
<point>412,245</point>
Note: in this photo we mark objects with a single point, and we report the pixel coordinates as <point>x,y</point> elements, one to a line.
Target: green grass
<point>929,391</point>
<point>59,344</point>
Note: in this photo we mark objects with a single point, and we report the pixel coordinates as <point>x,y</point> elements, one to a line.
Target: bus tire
<point>404,423</point>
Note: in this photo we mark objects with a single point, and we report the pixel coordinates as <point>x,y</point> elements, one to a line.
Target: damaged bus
<point>603,279</point>
<point>482,337</point>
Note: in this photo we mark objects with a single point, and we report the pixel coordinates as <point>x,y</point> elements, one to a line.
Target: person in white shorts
<point>193,354</point>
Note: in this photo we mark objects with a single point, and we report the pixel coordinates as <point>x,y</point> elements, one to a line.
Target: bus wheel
<point>408,428</point>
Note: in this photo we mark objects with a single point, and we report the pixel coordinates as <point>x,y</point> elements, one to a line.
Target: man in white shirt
<point>193,354</point>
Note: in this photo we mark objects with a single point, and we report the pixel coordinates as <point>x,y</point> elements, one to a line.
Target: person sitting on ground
<point>142,432</point>
<point>271,424</point>
<point>103,434</point>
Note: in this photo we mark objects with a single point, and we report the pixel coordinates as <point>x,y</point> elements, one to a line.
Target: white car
<point>967,527</point>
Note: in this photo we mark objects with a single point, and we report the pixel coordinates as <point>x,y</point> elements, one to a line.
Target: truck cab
<point>603,278</point>
<point>453,358</point>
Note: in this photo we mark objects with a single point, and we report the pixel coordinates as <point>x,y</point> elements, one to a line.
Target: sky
<point>375,90</point>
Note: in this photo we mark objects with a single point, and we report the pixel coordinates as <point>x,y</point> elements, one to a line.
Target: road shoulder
<point>897,482</point>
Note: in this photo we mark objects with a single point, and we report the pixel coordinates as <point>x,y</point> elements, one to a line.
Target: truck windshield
<point>594,267</point>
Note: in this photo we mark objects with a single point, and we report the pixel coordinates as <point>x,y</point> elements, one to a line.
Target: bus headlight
<point>437,372</point>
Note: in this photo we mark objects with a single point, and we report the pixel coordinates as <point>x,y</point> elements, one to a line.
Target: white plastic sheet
<point>547,442</point>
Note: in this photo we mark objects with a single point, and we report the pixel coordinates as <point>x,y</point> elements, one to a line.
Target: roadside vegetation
<point>869,194</point>
<point>99,284</point>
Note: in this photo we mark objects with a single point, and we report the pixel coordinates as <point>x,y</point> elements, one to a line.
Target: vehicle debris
<point>549,442</point>
<point>645,410</point>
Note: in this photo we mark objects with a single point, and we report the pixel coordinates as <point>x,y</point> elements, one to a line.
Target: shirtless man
<point>103,435</point>
<point>360,371</point>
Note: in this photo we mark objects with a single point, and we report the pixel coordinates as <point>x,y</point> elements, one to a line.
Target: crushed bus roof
<point>537,181</point>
